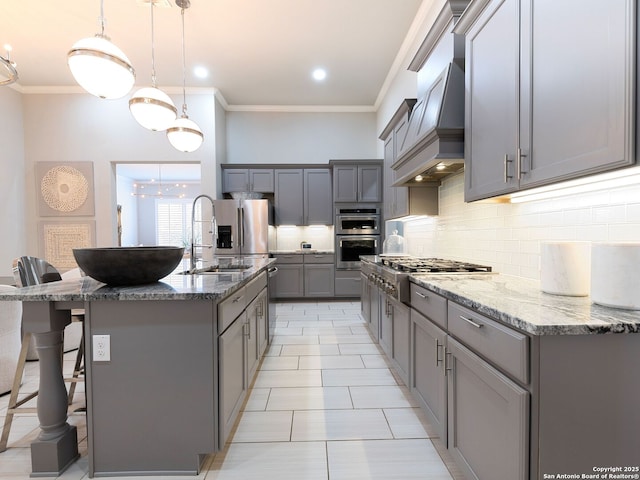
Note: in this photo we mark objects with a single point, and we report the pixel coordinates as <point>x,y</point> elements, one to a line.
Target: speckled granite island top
<point>520,303</point>
<point>173,287</point>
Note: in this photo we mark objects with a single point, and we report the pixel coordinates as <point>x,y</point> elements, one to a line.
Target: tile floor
<point>325,405</point>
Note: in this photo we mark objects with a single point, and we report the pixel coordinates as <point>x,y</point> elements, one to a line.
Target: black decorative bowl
<point>121,266</point>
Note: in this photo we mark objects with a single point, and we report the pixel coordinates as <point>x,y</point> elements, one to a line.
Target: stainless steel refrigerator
<point>242,227</point>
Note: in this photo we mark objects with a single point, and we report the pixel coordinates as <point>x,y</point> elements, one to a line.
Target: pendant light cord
<point>102,18</point>
<point>153,58</point>
<point>184,70</point>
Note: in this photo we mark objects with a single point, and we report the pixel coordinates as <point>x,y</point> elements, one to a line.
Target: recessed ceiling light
<point>200,72</point>
<point>319,74</point>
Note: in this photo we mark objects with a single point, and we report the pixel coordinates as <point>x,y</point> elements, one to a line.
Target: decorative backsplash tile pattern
<point>508,236</point>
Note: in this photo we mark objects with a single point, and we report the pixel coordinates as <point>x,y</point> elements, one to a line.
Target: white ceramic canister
<point>615,275</point>
<point>565,268</point>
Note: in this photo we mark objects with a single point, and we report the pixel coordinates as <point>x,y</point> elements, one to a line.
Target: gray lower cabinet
<point>517,113</point>
<point>428,383</point>
<point>488,418</point>
<point>348,283</point>
<point>262,322</point>
<point>479,412</point>
<point>290,281</point>
<point>374,300</point>
<point>365,298</point>
<point>318,280</point>
<point>305,275</point>
<point>386,326</point>
<point>233,383</point>
<point>401,339</point>
<point>394,334</point>
<point>239,348</point>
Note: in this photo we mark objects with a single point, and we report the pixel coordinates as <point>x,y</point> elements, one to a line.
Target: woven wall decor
<point>65,189</point>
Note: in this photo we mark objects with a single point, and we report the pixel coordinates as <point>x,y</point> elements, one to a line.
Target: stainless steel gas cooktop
<point>391,273</point>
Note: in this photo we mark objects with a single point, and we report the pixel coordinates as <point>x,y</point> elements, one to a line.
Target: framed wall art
<point>59,238</point>
<point>65,189</point>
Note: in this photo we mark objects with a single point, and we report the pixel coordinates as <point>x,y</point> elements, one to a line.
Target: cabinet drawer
<point>255,286</point>
<point>318,258</point>
<point>506,348</point>
<point>429,304</point>
<point>230,308</point>
<point>289,258</point>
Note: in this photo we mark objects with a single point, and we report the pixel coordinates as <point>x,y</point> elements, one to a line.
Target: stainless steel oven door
<point>354,224</point>
<point>350,247</point>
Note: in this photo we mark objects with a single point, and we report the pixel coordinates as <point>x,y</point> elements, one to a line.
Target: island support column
<point>57,445</point>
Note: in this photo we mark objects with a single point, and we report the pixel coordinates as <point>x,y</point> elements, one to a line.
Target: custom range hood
<point>433,145</point>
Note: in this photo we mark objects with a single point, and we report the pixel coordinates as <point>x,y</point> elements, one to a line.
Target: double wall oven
<point>357,233</point>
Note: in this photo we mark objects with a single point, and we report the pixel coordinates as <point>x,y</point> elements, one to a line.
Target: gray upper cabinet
<point>357,183</point>
<point>247,180</point>
<point>318,199</point>
<point>289,196</point>
<point>549,92</point>
<point>303,196</point>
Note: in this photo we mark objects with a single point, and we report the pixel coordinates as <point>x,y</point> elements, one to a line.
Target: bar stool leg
<point>14,404</point>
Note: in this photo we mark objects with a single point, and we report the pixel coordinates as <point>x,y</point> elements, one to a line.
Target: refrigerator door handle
<point>241,227</point>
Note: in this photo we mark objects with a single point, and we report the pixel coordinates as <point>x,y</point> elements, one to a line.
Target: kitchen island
<point>152,371</point>
<point>518,383</point>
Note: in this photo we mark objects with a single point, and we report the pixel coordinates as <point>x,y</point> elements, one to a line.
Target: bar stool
<point>28,271</point>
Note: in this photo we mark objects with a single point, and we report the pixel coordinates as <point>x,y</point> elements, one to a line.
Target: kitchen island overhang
<point>152,408</point>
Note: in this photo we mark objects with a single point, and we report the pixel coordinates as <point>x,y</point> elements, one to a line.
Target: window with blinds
<point>173,221</point>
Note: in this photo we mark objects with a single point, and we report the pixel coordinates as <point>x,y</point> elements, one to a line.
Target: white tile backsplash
<point>319,236</point>
<point>507,236</point>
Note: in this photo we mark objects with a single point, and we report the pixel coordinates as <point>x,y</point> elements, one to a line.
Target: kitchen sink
<point>217,269</point>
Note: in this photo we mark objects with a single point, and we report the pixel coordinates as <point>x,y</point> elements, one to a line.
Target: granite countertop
<point>173,287</point>
<point>520,303</point>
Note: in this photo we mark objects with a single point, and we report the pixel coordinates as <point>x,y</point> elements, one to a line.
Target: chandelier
<point>156,188</point>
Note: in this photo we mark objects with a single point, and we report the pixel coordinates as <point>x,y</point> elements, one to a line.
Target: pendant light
<point>150,106</point>
<point>100,67</point>
<point>8,72</point>
<point>184,134</point>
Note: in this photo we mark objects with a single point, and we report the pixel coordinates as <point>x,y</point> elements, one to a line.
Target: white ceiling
<point>258,52</point>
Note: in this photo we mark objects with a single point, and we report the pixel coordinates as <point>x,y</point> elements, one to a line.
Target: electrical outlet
<point>101,348</point>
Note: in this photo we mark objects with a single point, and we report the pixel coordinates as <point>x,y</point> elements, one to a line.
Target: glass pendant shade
<point>101,68</point>
<point>152,108</point>
<point>185,135</point>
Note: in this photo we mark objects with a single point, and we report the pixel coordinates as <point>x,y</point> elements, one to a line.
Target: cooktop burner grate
<point>432,265</point>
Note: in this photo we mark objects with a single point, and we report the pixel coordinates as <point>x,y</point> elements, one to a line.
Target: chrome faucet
<point>213,230</point>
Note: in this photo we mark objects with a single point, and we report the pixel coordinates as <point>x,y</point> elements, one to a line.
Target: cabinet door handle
<point>520,171</point>
<point>422,295</point>
<point>237,299</point>
<point>447,362</point>
<point>471,322</point>
<point>438,346</point>
<point>506,163</point>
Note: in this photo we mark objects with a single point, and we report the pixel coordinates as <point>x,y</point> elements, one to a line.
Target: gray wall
<point>286,137</point>
<point>12,181</point>
<point>80,127</point>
